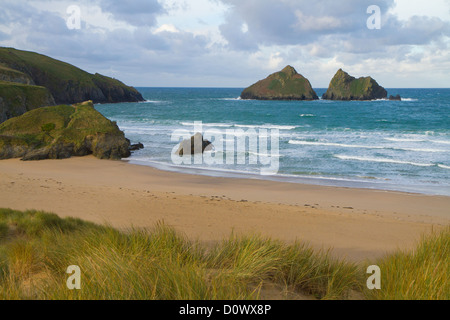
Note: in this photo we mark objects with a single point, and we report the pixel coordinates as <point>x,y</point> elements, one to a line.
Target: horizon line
<point>216,87</point>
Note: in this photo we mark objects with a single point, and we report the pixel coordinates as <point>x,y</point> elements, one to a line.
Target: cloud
<point>289,22</point>
<point>162,43</point>
<point>136,12</point>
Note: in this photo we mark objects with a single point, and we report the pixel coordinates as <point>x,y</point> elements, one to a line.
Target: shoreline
<point>358,224</point>
<point>374,184</point>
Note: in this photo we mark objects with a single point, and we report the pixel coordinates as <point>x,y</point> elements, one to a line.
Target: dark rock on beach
<point>195,145</point>
<point>136,147</point>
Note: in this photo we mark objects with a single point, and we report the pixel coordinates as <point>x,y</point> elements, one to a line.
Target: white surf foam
<point>383,160</point>
<point>342,145</point>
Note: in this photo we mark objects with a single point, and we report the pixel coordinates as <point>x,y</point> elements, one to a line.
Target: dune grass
<point>421,274</point>
<point>160,264</point>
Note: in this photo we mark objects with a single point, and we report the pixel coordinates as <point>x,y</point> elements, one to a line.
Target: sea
<point>381,144</point>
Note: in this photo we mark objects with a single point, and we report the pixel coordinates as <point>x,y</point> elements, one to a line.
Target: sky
<point>234,43</point>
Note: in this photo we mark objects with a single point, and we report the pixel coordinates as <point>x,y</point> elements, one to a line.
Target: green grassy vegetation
<point>8,74</point>
<point>31,62</point>
<point>345,87</point>
<point>87,121</point>
<point>361,86</point>
<point>55,125</point>
<point>421,274</point>
<point>284,85</point>
<point>289,87</point>
<point>36,248</point>
<point>22,97</point>
<point>67,83</point>
<point>31,122</point>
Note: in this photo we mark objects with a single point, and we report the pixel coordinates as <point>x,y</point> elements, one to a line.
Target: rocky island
<point>345,87</point>
<point>395,98</point>
<point>284,85</point>
<point>62,131</point>
<point>23,74</point>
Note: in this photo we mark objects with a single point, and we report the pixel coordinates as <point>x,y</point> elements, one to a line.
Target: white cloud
<point>275,61</point>
<point>406,9</point>
<point>167,28</point>
<point>314,23</point>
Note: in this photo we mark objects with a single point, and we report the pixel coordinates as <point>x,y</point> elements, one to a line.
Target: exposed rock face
<point>11,75</point>
<point>284,85</point>
<point>196,144</point>
<point>18,98</point>
<point>345,87</point>
<point>67,84</point>
<point>59,132</point>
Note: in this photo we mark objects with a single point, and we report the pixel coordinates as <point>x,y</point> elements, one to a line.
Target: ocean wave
<point>443,166</point>
<point>331,144</point>
<point>221,125</point>
<point>142,128</point>
<point>409,99</point>
<point>230,99</point>
<point>342,145</point>
<point>267,126</point>
<point>307,115</point>
<point>440,141</point>
<point>403,99</point>
<point>264,154</point>
<point>417,140</point>
<point>152,101</point>
<point>383,160</point>
<point>404,140</point>
<point>229,125</point>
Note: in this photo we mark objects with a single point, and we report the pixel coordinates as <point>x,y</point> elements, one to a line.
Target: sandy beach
<point>357,224</point>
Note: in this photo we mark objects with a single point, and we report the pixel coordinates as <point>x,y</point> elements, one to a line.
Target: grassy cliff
<point>62,131</point>
<point>284,85</point>
<point>345,87</point>
<point>67,83</point>
<point>18,98</point>
<point>11,75</point>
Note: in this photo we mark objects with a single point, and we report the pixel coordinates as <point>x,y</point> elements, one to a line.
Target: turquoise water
<point>393,145</point>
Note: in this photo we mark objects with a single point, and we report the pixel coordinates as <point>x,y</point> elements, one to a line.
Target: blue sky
<point>233,43</point>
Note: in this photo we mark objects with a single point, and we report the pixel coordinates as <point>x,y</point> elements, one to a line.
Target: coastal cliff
<point>284,85</point>
<point>62,131</point>
<point>18,98</point>
<point>11,75</point>
<point>345,87</point>
<point>66,83</point>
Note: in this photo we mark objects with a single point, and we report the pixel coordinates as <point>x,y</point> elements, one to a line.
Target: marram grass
<point>421,274</point>
<point>160,264</point>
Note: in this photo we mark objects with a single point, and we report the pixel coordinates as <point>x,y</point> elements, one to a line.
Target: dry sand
<point>357,224</point>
